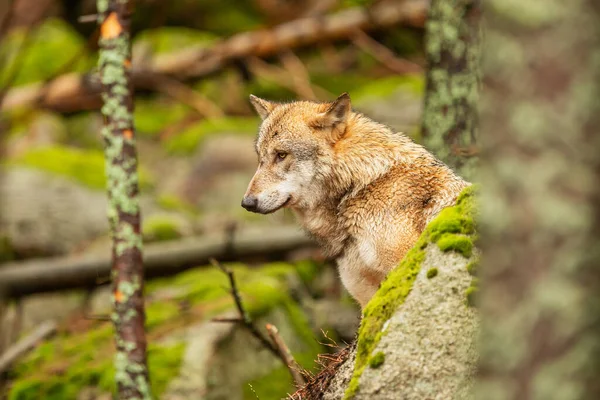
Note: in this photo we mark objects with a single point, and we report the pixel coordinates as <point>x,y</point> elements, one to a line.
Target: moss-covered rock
<point>389,299</point>
<point>83,166</point>
<point>77,359</point>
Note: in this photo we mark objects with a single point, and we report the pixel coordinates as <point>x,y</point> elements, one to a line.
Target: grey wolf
<point>363,191</point>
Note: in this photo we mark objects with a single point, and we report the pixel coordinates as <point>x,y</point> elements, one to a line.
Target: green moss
<point>459,243</point>
<point>471,293</point>
<point>473,266</point>
<point>188,140</point>
<point>61,367</point>
<point>54,37</point>
<point>153,115</point>
<point>432,273</point>
<point>398,284</point>
<point>83,166</point>
<point>7,252</point>
<point>159,312</point>
<point>174,203</point>
<point>160,228</point>
<point>170,38</point>
<point>385,87</point>
<point>377,360</point>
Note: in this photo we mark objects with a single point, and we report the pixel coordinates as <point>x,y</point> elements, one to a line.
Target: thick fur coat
<point>362,190</point>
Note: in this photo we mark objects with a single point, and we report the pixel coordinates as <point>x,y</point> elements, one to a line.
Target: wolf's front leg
<point>361,282</point>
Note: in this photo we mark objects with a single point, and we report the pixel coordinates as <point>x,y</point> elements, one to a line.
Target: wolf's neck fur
<point>366,153</point>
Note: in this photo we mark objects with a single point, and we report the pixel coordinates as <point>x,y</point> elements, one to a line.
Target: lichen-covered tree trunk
<point>123,212</point>
<point>452,45</point>
<point>540,218</point>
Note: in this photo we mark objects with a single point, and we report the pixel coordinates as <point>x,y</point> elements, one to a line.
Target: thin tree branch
<point>384,55</point>
<point>286,355</point>
<point>244,317</point>
<point>23,346</point>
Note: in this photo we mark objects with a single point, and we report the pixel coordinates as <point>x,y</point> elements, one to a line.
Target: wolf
<point>363,191</point>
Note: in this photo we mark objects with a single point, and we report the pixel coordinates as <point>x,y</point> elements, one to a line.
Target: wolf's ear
<point>263,107</point>
<point>335,116</point>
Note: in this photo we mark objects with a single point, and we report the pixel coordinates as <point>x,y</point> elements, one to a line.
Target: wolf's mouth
<point>285,203</point>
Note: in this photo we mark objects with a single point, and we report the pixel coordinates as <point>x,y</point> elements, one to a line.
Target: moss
<point>7,252</point>
<point>385,87</point>
<point>398,284</point>
<point>471,292</point>
<point>459,243</point>
<point>159,312</point>
<point>61,367</point>
<point>188,140</point>
<point>170,38</point>
<point>473,265</point>
<point>377,360</point>
<point>83,166</point>
<point>174,203</point>
<point>432,273</point>
<point>160,228</point>
<point>40,59</point>
<point>153,115</point>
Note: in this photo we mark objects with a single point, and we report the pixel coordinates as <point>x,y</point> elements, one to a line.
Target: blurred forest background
<point>195,132</point>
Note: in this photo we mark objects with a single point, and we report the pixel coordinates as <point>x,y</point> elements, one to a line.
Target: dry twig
<point>244,317</point>
<point>286,355</point>
<point>24,345</point>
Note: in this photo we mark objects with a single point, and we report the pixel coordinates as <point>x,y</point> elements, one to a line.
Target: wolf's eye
<point>281,155</point>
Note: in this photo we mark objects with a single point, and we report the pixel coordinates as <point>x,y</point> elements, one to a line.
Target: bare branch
<point>286,355</point>
<point>384,55</point>
<point>24,345</point>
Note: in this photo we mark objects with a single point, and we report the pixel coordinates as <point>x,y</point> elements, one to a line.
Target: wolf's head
<point>294,144</point>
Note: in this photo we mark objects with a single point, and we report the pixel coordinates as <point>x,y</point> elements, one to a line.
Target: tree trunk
<point>541,202</point>
<point>123,192</point>
<point>451,96</point>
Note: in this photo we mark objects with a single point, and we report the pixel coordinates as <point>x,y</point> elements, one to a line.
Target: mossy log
<point>72,92</point>
<point>160,259</point>
<point>417,338</point>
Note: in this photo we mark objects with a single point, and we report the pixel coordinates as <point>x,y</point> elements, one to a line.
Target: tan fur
<point>363,191</point>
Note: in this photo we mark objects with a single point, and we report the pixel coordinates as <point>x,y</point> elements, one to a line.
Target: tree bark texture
<point>541,201</point>
<point>123,192</point>
<point>450,119</point>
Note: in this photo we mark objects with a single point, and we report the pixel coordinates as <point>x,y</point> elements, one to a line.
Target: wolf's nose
<point>250,203</point>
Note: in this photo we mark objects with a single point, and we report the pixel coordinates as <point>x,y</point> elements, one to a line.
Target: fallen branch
<point>73,92</point>
<point>286,355</point>
<point>384,55</point>
<point>24,345</point>
<point>160,259</point>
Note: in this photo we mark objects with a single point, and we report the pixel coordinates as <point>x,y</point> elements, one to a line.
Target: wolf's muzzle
<point>250,203</point>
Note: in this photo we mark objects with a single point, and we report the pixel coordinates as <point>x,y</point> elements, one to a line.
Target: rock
<point>418,334</point>
<point>37,212</point>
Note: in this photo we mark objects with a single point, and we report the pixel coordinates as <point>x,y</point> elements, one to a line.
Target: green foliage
<point>48,50</point>
<point>398,284</point>
<point>432,273</point>
<point>83,166</point>
<point>377,360</point>
<point>187,141</point>
<point>160,228</point>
